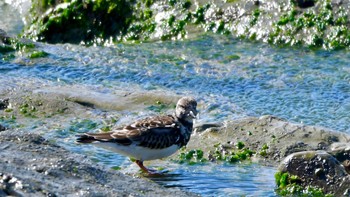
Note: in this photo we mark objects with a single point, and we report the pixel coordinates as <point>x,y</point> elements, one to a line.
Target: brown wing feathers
<point>148,132</point>
<point>102,137</point>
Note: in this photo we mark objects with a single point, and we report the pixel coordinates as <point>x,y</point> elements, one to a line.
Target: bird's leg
<point>146,170</point>
<point>140,164</point>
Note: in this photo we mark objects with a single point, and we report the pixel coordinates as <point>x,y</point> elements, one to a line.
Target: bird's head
<point>186,109</point>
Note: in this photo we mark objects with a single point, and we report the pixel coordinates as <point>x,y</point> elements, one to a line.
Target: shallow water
<point>230,78</point>
<point>310,87</point>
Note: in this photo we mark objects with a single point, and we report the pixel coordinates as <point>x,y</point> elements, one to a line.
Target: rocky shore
<point>315,156</point>
<point>33,165</point>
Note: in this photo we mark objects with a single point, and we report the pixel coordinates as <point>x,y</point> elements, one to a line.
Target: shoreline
<point>35,165</point>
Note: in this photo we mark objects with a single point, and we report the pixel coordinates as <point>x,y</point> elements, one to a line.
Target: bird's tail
<point>85,139</point>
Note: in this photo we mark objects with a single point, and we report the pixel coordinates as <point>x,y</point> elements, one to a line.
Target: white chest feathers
<point>139,152</point>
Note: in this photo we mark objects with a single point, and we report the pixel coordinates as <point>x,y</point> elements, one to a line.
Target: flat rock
<point>282,137</point>
<point>33,166</point>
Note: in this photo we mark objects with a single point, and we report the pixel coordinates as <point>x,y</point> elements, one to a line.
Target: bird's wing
<point>154,132</point>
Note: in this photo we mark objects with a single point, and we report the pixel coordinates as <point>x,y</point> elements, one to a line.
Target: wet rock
<point>346,165</point>
<point>204,126</point>
<point>78,21</point>
<point>4,38</point>
<point>268,21</point>
<point>33,166</point>
<point>2,128</point>
<point>281,137</point>
<point>4,103</point>
<point>341,151</point>
<point>304,3</point>
<point>10,186</point>
<point>318,169</point>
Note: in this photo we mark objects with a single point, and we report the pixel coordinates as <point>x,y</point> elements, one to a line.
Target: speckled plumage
<point>149,138</point>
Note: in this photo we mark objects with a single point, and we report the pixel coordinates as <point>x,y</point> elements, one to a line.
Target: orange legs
<point>146,170</point>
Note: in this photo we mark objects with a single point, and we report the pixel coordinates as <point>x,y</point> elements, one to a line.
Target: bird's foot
<point>153,172</point>
<point>149,172</point>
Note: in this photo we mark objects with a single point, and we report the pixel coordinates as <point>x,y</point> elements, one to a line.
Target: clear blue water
<point>310,87</point>
<point>299,85</point>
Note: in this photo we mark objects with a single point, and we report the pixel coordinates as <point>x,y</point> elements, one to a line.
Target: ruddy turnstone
<point>150,138</point>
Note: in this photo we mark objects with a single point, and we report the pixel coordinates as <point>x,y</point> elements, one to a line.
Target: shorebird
<point>150,138</point>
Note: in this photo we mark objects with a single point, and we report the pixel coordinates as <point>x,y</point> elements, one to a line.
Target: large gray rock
<point>281,137</point>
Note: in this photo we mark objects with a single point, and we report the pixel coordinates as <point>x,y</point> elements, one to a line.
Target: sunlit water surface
<point>230,78</point>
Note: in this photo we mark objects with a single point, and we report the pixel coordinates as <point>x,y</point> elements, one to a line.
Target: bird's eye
<point>182,106</point>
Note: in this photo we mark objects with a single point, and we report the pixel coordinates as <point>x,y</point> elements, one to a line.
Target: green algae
<point>38,54</point>
<point>220,154</point>
<point>80,126</point>
<point>160,107</point>
<point>327,27</point>
<point>9,121</point>
<point>263,151</point>
<point>76,21</point>
<point>191,157</point>
<point>289,185</point>
<point>104,22</point>
<point>230,154</point>
<point>5,48</point>
<point>27,110</point>
<point>256,14</point>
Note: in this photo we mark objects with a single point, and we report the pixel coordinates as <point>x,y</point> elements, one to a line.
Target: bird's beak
<point>193,114</point>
